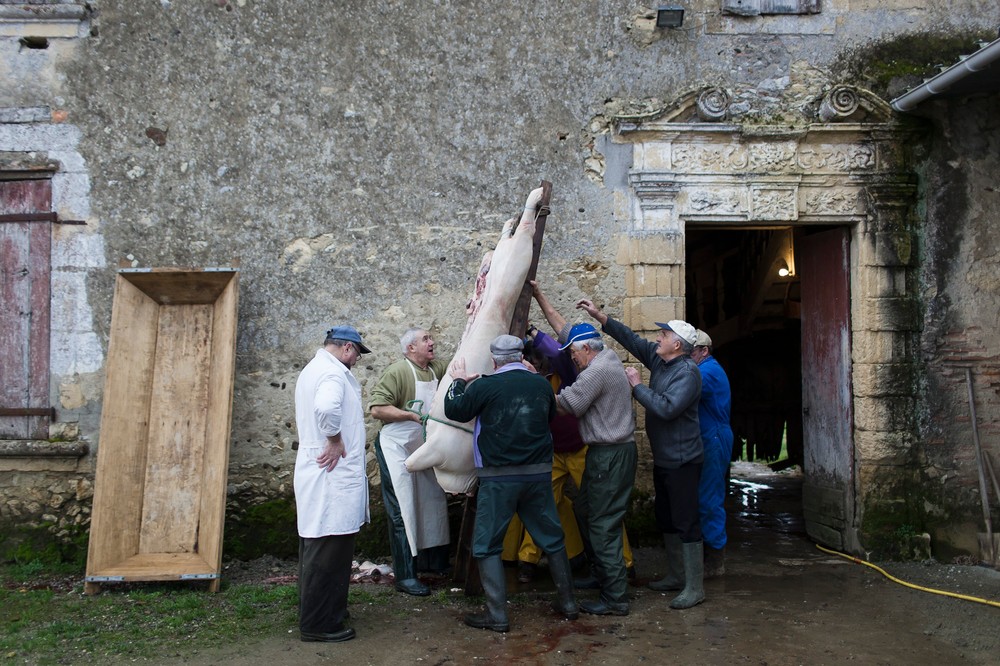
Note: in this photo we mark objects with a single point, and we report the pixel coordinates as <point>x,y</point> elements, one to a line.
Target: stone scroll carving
<point>713,105</point>
<point>839,104</point>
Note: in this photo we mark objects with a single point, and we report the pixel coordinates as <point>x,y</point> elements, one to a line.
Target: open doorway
<point>776,303</point>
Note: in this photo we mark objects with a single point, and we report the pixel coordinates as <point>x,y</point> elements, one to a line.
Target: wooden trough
<point>163,455</point>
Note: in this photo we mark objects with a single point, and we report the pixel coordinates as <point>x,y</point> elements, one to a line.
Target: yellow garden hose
<point>966,597</point>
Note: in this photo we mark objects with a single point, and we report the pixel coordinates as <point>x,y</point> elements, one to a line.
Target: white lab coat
<point>328,401</point>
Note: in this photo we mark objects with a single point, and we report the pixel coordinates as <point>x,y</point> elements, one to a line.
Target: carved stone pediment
<point>843,103</point>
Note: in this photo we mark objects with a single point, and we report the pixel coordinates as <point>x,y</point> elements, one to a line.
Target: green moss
<point>881,65</point>
<point>21,544</point>
<point>893,517</point>
<point>263,529</point>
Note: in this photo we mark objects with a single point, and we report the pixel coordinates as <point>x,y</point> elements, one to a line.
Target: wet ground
<point>782,601</point>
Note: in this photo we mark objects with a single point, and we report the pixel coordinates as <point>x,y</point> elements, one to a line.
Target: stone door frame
<point>848,167</point>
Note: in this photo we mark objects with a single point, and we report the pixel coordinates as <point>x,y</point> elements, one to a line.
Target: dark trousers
<point>324,578</point>
<point>497,502</point>
<point>404,565</point>
<point>676,504</point>
<point>600,509</point>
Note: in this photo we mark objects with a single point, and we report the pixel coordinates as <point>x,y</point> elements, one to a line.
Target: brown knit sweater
<point>602,399</point>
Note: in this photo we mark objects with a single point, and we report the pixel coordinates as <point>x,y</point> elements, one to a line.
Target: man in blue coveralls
<point>717,438</point>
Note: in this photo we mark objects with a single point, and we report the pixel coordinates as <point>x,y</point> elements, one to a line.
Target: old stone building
<point>355,159</point>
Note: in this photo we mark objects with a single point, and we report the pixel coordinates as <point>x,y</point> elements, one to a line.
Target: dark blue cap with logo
<point>581,332</point>
<point>348,333</point>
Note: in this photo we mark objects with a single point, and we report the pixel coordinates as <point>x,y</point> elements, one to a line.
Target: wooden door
<point>25,260</point>
<point>823,263</point>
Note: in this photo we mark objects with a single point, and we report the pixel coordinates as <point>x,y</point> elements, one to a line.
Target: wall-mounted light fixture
<point>669,16</point>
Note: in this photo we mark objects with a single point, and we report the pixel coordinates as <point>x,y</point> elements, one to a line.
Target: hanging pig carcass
<point>502,275</point>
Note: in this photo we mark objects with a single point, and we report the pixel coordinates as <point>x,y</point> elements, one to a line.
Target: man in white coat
<point>331,487</point>
<point>415,505</point>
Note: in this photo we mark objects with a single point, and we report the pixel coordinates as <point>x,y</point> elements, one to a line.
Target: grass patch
<point>43,626</point>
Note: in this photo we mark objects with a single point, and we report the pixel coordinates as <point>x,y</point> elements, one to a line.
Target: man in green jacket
<point>512,448</point>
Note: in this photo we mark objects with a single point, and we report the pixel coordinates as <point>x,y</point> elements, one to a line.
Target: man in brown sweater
<point>601,399</point>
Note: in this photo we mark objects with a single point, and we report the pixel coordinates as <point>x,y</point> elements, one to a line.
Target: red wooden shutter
<point>25,270</point>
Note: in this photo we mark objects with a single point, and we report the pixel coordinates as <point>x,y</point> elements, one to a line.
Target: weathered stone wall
<point>960,283</point>
<point>357,158</point>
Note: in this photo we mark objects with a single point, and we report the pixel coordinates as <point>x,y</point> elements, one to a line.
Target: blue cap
<point>348,333</point>
<point>581,332</point>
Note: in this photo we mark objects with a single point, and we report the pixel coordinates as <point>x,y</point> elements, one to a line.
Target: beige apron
<point>422,503</point>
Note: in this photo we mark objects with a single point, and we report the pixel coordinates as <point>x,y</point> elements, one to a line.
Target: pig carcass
<point>502,274</point>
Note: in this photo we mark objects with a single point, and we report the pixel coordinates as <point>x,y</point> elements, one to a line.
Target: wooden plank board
<point>177,418</point>
<point>216,463</point>
<point>159,566</point>
<point>180,286</point>
<point>121,460</point>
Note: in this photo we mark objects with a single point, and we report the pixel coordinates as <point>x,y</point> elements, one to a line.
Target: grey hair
<point>597,344</point>
<point>337,342</point>
<point>686,346</point>
<point>409,337</point>
<point>504,359</point>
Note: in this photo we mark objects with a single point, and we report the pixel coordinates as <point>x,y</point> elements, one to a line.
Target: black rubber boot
<point>694,571</point>
<point>562,576</point>
<point>674,580</point>
<point>495,588</point>
<point>715,562</point>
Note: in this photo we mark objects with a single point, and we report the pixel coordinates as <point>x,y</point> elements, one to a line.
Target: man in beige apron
<point>415,505</point>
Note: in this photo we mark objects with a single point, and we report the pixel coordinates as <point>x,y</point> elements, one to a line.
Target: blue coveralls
<point>717,437</point>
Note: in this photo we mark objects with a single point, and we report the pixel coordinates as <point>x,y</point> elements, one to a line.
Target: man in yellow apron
<point>415,505</point>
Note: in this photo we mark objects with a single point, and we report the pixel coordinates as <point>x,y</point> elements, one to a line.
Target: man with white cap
<point>601,401</point>
<point>717,438</point>
<point>671,403</point>
<point>331,486</point>
<point>512,450</point>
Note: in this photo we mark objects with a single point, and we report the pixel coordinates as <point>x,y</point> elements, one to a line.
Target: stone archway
<point>846,166</point>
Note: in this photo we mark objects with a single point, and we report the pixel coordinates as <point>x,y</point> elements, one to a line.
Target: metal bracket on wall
<point>37,217</point>
<point>29,411</point>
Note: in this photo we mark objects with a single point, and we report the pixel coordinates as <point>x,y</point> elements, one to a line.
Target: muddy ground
<point>783,601</point>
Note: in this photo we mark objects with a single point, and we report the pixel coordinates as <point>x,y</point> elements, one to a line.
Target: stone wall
<point>960,285</point>
<point>357,159</point>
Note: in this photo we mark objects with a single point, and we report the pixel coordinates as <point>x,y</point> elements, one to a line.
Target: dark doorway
<point>743,290</point>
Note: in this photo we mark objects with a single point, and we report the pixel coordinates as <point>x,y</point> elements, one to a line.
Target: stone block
<point>893,414</point>
<point>883,448</point>
<point>881,282</point>
<point>875,346</point>
<point>890,314</point>
<point>896,248</point>
<point>642,313</point>
<point>651,249</point>
<point>884,379</point>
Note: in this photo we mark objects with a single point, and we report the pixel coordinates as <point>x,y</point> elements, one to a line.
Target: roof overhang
<point>978,73</point>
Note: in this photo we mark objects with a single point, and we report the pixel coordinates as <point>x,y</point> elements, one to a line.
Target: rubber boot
<point>674,580</point>
<point>694,571</point>
<point>495,588</point>
<point>715,562</point>
<point>562,576</point>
